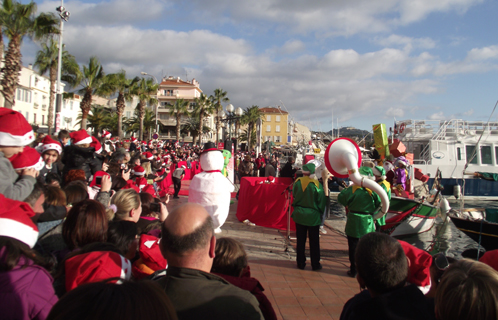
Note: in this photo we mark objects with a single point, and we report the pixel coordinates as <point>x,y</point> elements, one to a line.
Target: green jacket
<point>309,204</point>
<point>361,204</point>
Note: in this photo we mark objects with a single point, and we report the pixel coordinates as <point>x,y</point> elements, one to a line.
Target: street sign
<point>155,136</point>
<point>317,150</point>
<point>221,145</point>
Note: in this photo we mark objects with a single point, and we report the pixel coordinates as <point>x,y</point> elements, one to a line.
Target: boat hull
<point>485,232</point>
<point>473,189</point>
<point>407,217</point>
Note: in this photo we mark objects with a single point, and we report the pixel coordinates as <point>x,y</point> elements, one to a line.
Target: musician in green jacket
<point>361,204</point>
<point>309,204</point>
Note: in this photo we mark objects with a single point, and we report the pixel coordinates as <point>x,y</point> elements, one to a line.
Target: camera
<point>155,207</point>
<point>98,180</point>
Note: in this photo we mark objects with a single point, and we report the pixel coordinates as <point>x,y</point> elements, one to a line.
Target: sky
<point>327,62</point>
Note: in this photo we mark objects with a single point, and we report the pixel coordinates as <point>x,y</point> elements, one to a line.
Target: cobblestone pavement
<point>294,293</point>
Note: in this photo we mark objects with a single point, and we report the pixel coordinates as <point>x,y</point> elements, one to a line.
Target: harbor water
<point>443,237</point>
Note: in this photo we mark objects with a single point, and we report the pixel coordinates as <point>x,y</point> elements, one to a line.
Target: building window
<point>27,116</point>
<point>277,139</point>
<point>34,118</point>
<point>192,105</point>
<point>128,114</point>
<point>268,128</point>
<point>164,116</point>
<point>168,93</point>
<point>43,119</point>
<point>23,95</point>
<point>268,118</point>
<point>277,118</point>
<point>459,153</point>
<point>486,155</point>
<point>470,154</point>
<point>277,128</point>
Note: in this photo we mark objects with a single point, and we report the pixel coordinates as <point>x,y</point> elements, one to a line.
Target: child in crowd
<point>15,133</point>
<point>230,263</point>
<point>25,286</point>
<point>80,155</point>
<point>50,151</point>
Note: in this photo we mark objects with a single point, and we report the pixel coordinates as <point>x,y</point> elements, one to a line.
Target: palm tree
<point>99,118</point>
<point>203,108</point>
<point>90,79</point>
<point>19,20</point>
<point>192,126</point>
<point>47,60</point>
<point>245,134</point>
<point>250,117</point>
<point>117,82</point>
<point>144,89</point>
<point>180,107</point>
<point>149,122</point>
<point>218,97</point>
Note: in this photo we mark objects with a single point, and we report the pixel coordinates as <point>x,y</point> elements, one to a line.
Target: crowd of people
<point>85,233</point>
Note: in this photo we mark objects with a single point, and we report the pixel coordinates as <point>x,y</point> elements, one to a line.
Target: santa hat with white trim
<point>107,134</point>
<point>80,137</point>
<point>49,144</point>
<point>379,171</point>
<point>96,144</point>
<point>28,158</point>
<point>133,139</point>
<point>138,171</point>
<point>96,266</point>
<point>420,263</point>
<point>148,155</point>
<point>15,131</point>
<point>15,221</point>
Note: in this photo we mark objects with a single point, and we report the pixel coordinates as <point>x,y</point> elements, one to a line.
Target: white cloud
<point>292,46</point>
<point>406,42</point>
<point>485,53</point>
<point>331,18</point>
<point>394,112</point>
<point>437,116</point>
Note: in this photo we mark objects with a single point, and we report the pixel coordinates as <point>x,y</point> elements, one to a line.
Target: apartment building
<point>170,90</point>
<point>275,125</point>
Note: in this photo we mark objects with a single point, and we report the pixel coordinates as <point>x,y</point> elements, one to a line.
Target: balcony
<point>168,122</point>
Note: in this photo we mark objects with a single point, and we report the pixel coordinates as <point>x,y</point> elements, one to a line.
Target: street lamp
<point>64,15</point>
<point>157,107</point>
<point>230,117</point>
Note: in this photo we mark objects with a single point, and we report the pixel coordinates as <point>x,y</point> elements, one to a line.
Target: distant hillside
<point>352,133</point>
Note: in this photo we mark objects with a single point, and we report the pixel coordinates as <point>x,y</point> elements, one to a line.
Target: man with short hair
<point>383,269</point>
<point>177,177</point>
<point>287,171</point>
<point>188,244</point>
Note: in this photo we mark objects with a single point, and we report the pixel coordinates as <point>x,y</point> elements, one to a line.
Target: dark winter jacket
<point>78,158</point>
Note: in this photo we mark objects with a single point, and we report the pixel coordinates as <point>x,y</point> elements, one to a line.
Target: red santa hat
<point>98,174</point>
<point>94,267</point>
<point>491,259</point>
<point>148,155</point>
<point>144,142</point>
<point>420,263</point>
<point>80,137</point>
<point>133,139</point>
<point>15,131</point>
<point>149,189</point>
<point>130,184</point>
<point>138,171</point>
<point>96,144</point>
<point>106,134</point>
<point>126,140</point>
<point>49,144</point>
<point>28,158</point>
<point>15,221</point>
<point>151,259</point>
